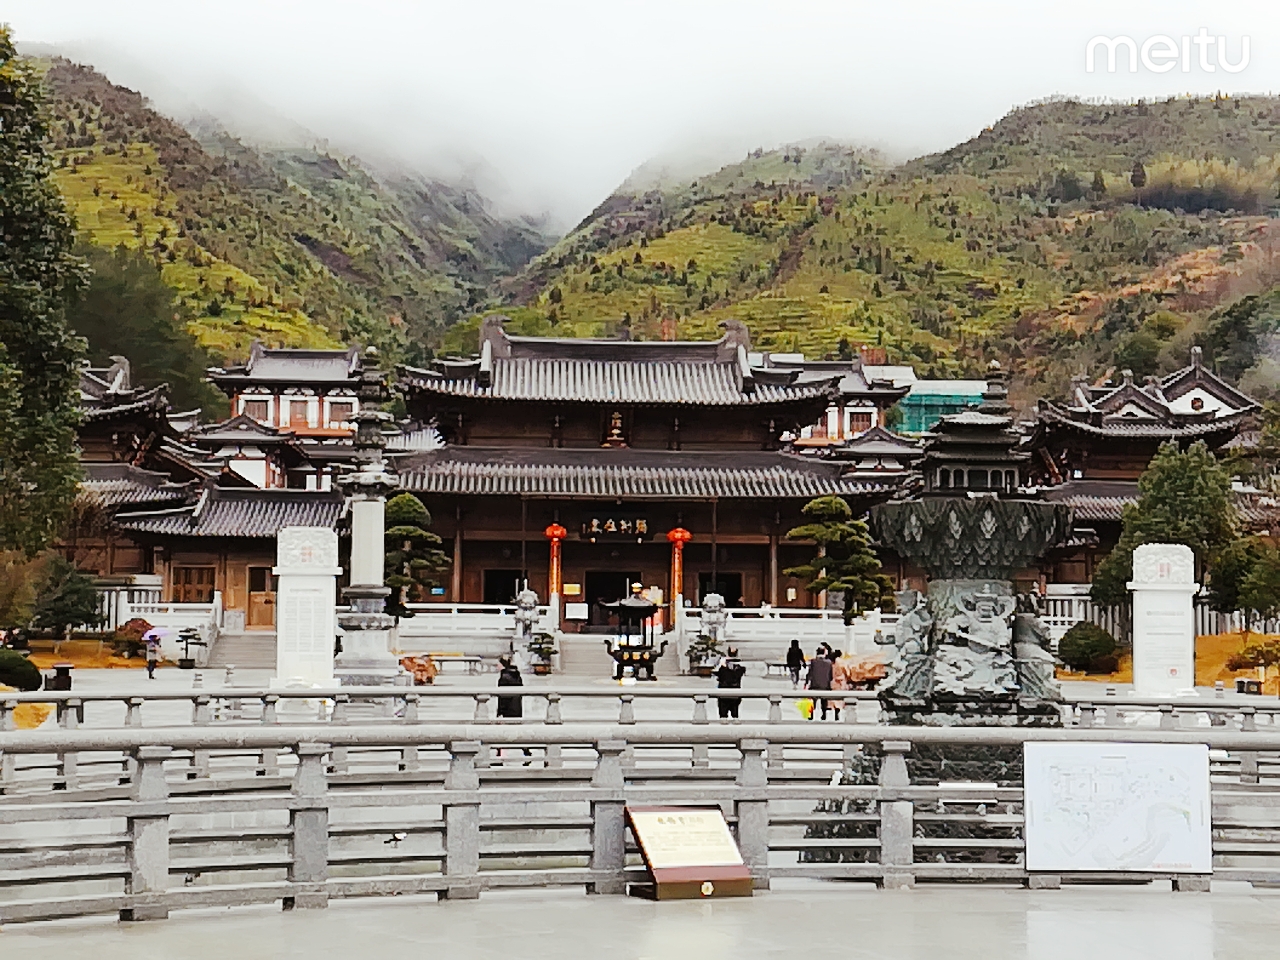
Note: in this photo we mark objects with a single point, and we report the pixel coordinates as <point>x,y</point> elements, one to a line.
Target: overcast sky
<point>548,106</point>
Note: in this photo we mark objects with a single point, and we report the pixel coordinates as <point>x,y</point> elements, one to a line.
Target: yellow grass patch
<point>28,716</point>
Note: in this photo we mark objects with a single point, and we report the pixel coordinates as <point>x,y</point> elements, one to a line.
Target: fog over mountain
<point>547,107</point>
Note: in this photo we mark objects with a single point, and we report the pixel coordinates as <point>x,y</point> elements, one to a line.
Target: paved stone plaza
<point>800,918</point>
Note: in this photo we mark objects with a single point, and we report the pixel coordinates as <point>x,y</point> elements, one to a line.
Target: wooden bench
<point>776,668</point>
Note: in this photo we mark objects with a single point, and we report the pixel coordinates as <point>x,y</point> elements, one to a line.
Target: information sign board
<point>689,853</point>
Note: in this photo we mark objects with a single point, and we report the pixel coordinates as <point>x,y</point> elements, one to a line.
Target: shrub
<point>1086,646</point>
<point>127,640</point>
<point>17,671</point>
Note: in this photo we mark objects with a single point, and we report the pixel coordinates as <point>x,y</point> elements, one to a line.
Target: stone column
<point>366,658</point>
<point>1164,641</point>
<point>307,565</point>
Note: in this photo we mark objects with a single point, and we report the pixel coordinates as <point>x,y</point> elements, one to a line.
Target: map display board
<point>689,852</point>
<point>1124,807</point>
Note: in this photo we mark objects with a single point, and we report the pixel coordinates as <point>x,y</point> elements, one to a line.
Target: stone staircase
<point>246,651</point>
<point>583,655</point>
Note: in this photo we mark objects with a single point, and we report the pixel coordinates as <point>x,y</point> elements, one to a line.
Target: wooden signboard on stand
<point>689,854</point>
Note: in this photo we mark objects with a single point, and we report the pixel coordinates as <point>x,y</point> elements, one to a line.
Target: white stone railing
<point>764,633</point>
<point>469,628</point>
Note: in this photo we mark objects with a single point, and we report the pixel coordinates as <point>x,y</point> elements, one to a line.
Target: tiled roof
<point>1094,500</point>
<point>627,473</point>
<point>1144,428</point>
<point>288,365</point>
<point>114,405</point>
<point>122,484</point>
<point>713,373</point>
<point>252,513</point>
<point>614,381</point>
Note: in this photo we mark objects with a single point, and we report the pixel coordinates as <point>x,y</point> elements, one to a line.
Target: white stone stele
<point>306,601</point>
<point>1164,635</point>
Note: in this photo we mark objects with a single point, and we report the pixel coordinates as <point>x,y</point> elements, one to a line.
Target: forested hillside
<point>1067,237</point>
<point>294,247</point>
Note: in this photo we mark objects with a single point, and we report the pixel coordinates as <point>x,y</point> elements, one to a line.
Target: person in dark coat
<point>509,676</point>
<point>729,676</point>
<point>820,671</point>
<point>795,662</point>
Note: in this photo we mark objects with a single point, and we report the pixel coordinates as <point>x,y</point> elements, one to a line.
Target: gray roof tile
<point>253,513</point>
<point>628,473</point>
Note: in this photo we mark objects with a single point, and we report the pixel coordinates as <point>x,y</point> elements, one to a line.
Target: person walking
<point>819,678</point>
<point>795,662</point>
<point>509,706</point>
<point>728,676</point>
<point>509,676</point>
<point>153,653</point>
<point>839,678</point>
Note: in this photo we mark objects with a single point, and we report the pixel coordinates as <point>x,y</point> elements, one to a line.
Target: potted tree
<point>703,654</point>
<point>541,649</point>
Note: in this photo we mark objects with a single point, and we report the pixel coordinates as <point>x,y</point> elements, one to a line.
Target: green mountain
<point>294,247</point>
<point>1067,237</point>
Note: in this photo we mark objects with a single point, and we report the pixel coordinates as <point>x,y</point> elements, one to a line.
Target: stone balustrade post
<point>309,820</point>
<point>147,882</point>
<point>1168,721</point>
<point>1248,719</point>
<point>462,823</point>
<point>775,716</point>
<point>341,714</point>
<point>609,826</point>
<point>409,759</point>
<point>7,764</point>
<point>897,819</point>
<point>72,718</point>
<point>201,716</point>
<point>133,712</point>
<point>484,758</point>
<point>626,708</point>
<point>270,703</point>
<point>1088,715</point>
<point>753,811</point>
<point>701,756</point>
<point>554,754</point>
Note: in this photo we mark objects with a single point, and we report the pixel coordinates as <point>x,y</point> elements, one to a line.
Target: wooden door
<point>262,598</point>
<point>193,584</point>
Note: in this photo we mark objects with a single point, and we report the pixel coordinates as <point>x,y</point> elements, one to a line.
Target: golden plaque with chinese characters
<point>689,854</point>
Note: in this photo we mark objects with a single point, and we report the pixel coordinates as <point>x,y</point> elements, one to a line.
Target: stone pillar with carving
<point>307,568</point>
<point>366,658</point>
<point>1164,633</point>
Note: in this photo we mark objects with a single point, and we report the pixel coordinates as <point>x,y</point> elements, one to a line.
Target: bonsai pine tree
<point>66,599</point>
<point>413,553</point>
<point>845,561</point>
<point>39,358</point>
<point>1183,497</point>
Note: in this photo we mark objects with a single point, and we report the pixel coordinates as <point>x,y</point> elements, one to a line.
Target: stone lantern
<point>366,658</point>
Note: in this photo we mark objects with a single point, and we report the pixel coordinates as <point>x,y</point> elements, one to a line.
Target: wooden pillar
<point>555,534</point>
<point>456,586</point>
<point>677,537</point>
<point>715,560</point>
<point>773,569</point>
